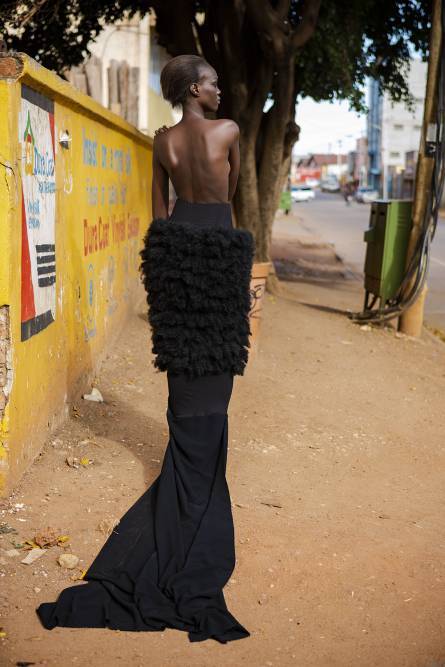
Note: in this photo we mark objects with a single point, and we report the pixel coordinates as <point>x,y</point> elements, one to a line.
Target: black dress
<point>166,562</point>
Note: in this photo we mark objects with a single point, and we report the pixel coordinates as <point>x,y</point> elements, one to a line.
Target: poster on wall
<point>36,137</point>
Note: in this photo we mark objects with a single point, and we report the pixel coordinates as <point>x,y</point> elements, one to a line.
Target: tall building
<point>361,163</point>
<point>374,133</point>
<point>393,129</point>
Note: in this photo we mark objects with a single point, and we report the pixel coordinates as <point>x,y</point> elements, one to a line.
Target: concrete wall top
<point>23,68</point>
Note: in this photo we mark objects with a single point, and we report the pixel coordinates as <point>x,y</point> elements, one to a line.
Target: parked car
<point>330,185</point>
<point>302,193</point>
<point>366,195</point>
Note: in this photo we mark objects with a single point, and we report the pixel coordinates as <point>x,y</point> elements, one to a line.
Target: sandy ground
<point>335,468</point>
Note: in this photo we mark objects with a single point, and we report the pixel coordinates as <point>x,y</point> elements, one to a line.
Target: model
<point>166,562</point>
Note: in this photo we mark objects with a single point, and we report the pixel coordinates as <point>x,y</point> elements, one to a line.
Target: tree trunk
<point>263,171</point>
<point>253,46</point>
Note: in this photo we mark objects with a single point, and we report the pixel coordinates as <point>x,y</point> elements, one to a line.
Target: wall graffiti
<point>112,302</point>
<point>108,229</point>
<point>256,294</point>
<point>90,328</point>
<point>36,137</point>
<point>107,223</point>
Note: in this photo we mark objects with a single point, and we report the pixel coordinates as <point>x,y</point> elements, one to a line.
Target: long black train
<point>167,561</point>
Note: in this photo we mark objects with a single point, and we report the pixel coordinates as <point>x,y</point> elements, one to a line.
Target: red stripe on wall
<point>28,305</point>
<point>51,125</point>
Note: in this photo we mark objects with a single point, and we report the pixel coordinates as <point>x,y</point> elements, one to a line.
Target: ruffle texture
<point>197,281</point>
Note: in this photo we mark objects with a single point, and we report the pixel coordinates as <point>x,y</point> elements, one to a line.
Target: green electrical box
<point>387,244</point>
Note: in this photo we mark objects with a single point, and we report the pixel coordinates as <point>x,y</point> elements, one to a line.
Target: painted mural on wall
<point>36,136</point>
<point>115,183</point>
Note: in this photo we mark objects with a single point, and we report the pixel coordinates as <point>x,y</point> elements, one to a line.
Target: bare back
<point>201,158</point>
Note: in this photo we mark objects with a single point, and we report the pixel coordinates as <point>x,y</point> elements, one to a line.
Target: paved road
<point>330,218</point>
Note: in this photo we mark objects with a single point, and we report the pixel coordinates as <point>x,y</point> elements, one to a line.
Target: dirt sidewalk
<point>335,468</point>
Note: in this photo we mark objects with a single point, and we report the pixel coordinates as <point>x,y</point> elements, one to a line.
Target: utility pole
<point>411,321</point>
<point>338,158</point>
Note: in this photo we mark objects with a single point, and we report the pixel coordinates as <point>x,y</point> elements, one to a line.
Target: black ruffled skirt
<point>166,562</point>
<point>197,269</point>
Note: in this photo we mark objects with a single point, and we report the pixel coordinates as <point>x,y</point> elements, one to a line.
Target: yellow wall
<point>102,209</point>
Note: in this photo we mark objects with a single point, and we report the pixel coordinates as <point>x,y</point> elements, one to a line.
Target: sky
<point>324,124</point>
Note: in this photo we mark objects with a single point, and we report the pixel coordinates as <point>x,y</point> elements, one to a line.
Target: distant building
<point>361,165</point>
<point>374,127</point>
<point>352,161</point>
<point>393,129</point>
<point>123,73</point>
<point>318,166</point>
<point>358,162</point>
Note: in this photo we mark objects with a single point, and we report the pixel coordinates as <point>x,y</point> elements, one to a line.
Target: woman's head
<point>189,77</point>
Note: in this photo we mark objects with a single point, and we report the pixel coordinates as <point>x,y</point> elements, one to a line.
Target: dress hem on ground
<point>167,560</point>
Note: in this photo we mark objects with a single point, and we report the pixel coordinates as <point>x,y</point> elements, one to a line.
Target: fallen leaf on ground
<point>106,525</point>
<point>72,461</point>
<point>30,544</point>
<point>85,461</point>
<point>76,412</point>
<point>47,538</point>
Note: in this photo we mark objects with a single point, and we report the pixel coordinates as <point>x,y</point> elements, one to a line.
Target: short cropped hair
<point>178,74</point>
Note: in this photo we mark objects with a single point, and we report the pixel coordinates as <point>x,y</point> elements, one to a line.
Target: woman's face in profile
<point>208,88</point>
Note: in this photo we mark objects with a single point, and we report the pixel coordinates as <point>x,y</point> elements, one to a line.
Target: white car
<point>369,197</point>
<point>330,185</point>
<point>302,193</point>
<point>366,195</point>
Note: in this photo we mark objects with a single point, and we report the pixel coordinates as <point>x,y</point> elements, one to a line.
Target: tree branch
<point>174,28</point>
<point>229,20</point>
<point>307,24</point>
<point>271,26</point>
<point>206,33</point>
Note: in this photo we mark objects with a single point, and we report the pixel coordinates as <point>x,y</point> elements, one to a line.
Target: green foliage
<point>353,39</point>
<point>57,32</point>
<point>356,39</point>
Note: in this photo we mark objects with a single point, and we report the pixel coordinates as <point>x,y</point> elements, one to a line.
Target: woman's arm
<point>234,160</point>
<point>159,185</point>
